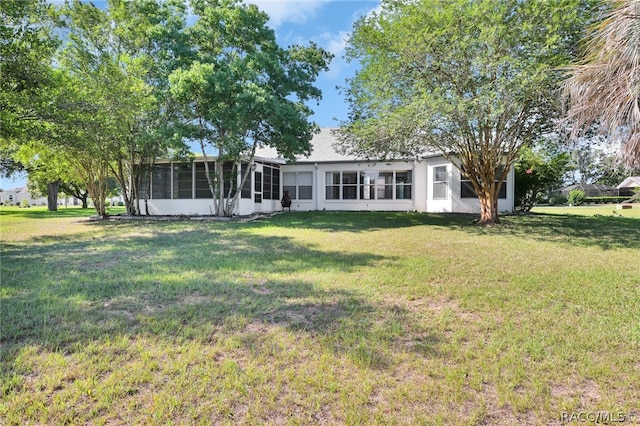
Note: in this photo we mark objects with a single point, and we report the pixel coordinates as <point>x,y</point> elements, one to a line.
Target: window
<point>246,188</point>
<point>275,183</point>
<point>161,181</point>
<point>298,184</point>
<point>230,179</point>
<point>332,185</point>
<point>440,190</point>
<point>266,182</point>
<point>142,180</point>
<point>270,182</point>
<point>349,185</point>
<point>257,196</point>
<point>202,184</point>
<point>403,185</point>
<point>369,185</point>
<point>467,191</point>
<point>384,186</point>
<point>183,180</point>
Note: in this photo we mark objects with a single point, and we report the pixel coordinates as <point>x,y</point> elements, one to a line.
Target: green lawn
<point>318,318</point>
<point>591,210</point>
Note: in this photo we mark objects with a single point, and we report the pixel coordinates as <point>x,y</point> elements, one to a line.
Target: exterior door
<point>257,191</point>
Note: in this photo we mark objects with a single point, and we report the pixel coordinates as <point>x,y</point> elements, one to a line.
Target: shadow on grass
<point>355,221</point>
<point>606,232</point>
<point>43,213</point>
<point>192,281</point>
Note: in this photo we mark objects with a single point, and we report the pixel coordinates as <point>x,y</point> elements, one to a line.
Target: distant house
<point>325,180</point>
<point>591,189</point>
<point>628,186</point>
<point>14,197</point>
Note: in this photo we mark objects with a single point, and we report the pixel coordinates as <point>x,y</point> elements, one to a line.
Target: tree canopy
<point>130,82</point>
<point>242,90</point>
<point>474,81</point>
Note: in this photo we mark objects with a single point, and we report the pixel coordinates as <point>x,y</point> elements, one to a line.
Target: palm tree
<point>605,86</point>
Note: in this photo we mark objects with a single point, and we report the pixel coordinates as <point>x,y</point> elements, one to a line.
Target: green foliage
<point>576,197</point>
<point>477,80</point>
<point>24,203</point>
<point>605,200</point>
<point>536,174</point>
<point>27,44</point>
<point>239,89</point>
<point>557,198</point>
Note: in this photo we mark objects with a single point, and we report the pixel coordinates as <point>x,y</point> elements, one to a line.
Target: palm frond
<point>605,86</point>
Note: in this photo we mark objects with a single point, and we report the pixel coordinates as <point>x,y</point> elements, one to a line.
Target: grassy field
<point>319,318</point>
<point>591,210</point>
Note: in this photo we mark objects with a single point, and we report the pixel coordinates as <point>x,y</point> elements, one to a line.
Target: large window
<point>230,179</point>
<point>245,192</point>
<point>183,180</point>
<point>368,185</point>
<point>333,182</point>
<point>440,186</point>
<point>349,185</point>
<point>270,182</point>
<point>298,184</point>
<point>202,184</point>
<point>161,181</point>
<point>467,191</point>
<point>403,185</point>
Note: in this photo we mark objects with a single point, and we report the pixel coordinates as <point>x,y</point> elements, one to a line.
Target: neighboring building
<point>628,186</point>
<point>590,189</point>
<point>326,180</point>
<point>15,196</point>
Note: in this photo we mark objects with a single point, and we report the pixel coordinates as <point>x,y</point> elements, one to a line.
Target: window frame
<point>440,182</point>
<point>383,185</point>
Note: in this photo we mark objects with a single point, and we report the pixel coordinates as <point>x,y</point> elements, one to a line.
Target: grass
<point>591,210</point>
<point>319,318</point>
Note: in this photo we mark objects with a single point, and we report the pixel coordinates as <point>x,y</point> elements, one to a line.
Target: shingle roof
<point>322,149</point>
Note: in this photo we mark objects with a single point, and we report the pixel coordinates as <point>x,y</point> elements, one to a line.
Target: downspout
<point>317,189</point>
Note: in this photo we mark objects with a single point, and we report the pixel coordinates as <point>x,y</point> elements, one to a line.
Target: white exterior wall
<point>194,207</point>
<point>436,205</point>
<point>472,205</point>
<point>421,187</point>
<point>320,202</point>
<point>205,206</point>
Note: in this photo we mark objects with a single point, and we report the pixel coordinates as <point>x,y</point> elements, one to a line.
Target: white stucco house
<point>16,195</point>
<point>326,180</point>
<point>629,185</point>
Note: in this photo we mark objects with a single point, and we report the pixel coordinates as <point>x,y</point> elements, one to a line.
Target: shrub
<point>605,200</point>
<point>576,197</point>
<point>557,198</point>
<point>24,203</point>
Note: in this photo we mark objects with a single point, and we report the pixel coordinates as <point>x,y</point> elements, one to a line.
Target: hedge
<point>605,200</point>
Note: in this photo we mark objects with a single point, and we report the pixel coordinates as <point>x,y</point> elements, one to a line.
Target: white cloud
<point>334,43</point>
<point>296,11</point>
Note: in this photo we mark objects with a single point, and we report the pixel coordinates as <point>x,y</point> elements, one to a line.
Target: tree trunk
<point>83,200</point>
<point>52,195</point>
<point>488,209</point>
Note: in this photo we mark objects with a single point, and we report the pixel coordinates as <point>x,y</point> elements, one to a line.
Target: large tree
<point>604,86</point>
<point>125,53</point>
<point>474,80</point>
<point>242,90</point>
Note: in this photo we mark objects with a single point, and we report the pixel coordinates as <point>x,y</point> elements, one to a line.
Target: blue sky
<point>328,23</point>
